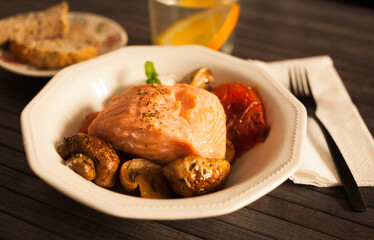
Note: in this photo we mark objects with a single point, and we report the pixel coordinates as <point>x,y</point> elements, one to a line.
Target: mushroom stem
<point>104,156</point>
<point>144,176</point>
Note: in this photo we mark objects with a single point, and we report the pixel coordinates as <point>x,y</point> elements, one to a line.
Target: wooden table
<point>268,30</point>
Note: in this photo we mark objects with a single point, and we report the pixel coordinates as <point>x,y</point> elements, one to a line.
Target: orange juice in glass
<point>210,23</point>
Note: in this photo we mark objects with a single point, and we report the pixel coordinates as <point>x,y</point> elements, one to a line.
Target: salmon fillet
<point>163,123</point>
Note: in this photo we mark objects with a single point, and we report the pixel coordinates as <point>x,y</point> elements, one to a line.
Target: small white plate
<point>109,33</point>
<point>91,84</point>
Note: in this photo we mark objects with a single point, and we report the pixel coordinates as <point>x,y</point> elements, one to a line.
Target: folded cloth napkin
<point>339,115</point>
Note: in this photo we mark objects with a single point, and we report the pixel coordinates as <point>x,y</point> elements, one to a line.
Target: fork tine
<point>307,82</point>
<point>299,82</point>
<point>292,89</point>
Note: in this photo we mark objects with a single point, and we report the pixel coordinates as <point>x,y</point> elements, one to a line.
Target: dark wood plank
<point>203,229</point>
<point>270,226</point>
<point>34,192</point>
<point>268,30</point>
<point>14,228</point>
<point>15,160</point>
<point>19,87</point>
<point>337,192</point>
<point>11,139</point>
<point>10,120</point>
<point>307,217</point>
<point>328,204</point>
<point>12,104</point>
<point>55,220</point>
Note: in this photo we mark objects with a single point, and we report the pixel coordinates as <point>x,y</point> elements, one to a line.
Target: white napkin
<point>339,115</point>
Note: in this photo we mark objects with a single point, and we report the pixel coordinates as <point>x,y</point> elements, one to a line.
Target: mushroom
<point>105,158</point>
<point>82,165</point>
<point>193,175</point>
<point>201,77</point>
<point>230,151</point>
<point>144,177</point>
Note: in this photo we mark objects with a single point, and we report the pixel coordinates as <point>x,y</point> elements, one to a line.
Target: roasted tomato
<point>86,122</point>
<point>244,115</point>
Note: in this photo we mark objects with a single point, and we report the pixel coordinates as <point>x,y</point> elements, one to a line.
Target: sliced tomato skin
<point>87,121</point>
<point>244,110</point>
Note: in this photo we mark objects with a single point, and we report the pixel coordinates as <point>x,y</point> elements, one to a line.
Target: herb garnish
<point>151,73</point>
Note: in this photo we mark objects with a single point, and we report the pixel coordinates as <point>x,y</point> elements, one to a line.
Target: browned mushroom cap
<point>144,176</point>
<point>201,78</point>
<point>230,151</point>
<point>82,165</point>
<point>105,158</point>
<point>192,176</point>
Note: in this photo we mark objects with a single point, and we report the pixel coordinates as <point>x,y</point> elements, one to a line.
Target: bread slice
<point>51,22</point>
<point>78,45</point>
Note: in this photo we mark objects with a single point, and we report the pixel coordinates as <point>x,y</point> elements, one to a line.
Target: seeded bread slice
<point>78,45</point>
<point>51,22</point>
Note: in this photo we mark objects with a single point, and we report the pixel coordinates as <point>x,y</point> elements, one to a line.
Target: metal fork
<point>300,87</point>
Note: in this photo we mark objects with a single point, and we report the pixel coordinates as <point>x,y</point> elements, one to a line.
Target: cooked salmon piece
<point>163,123</point>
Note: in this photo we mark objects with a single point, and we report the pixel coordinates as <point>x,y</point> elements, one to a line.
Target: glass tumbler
<point>210,23</point>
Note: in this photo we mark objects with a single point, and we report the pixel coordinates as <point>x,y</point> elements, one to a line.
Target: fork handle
<point>351,189</point>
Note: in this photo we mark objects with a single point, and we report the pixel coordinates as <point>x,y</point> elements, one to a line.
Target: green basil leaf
<point>151,73</point>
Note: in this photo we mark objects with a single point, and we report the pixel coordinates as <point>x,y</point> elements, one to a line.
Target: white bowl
<point>59,108</point>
